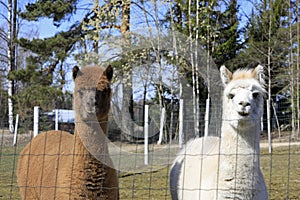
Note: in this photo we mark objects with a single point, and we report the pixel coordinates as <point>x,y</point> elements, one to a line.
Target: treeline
<point>202,35</point>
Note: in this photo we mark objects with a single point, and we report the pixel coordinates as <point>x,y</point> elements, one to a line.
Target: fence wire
<point>140,181</point>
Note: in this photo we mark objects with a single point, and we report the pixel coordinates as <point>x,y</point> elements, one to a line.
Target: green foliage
<point>36,88</point>
<point>4,105</point>
<point>217,30</point>
<point>55,48</point>
<point>228,42</point>
<point>41,82</point>
<point>268,30</point>
<point>55,9</point>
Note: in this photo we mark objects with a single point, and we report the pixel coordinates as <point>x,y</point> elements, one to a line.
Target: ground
<point>281,170</point>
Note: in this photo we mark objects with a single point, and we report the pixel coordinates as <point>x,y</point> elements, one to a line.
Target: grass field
<point>281,170</point>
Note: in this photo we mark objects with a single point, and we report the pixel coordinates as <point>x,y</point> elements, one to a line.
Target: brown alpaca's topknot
<point>91,77</point>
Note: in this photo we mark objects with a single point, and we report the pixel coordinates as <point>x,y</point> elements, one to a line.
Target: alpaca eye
<point>80,92</point>
<point>255,95</point>
<point>230,96</point>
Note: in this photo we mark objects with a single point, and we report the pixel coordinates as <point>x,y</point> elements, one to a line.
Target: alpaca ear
<point>75,72</point>
<point>225,74</point>
<point>258,74</point>
<point>108,72</point>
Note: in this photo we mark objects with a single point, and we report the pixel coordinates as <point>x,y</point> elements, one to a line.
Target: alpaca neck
<point>240,139</point>
<point>239,135</point>
<point>90,137</point>
<point>239,161</point>
<point>90,143</point>
<point>90,156</point>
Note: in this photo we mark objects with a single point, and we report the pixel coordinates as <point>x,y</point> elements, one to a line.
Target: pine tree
<point>58,10</point>
<point>270,40</point>
<point>266,39</point>
<point>41,82</point>
<point>217,32</point>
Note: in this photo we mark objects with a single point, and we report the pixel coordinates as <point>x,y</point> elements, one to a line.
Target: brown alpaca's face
<point>91,103</point>
<point>92,94</point>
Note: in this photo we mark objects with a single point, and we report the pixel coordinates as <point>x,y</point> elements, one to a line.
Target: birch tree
<point>42,77</point>
<point>269,39</point>
<point>11,54</point>
<point>3,62</point>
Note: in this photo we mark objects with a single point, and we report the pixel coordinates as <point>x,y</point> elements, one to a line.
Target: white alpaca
<point>228,167</point>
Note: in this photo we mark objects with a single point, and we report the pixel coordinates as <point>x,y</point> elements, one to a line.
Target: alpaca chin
<point>242,123</point>
<point>88,117</point>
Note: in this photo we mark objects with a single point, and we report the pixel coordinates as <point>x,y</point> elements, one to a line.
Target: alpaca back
<point>194,172</point>
<point>49,168</point>
<point>200,172</point>
<point>42,163</point>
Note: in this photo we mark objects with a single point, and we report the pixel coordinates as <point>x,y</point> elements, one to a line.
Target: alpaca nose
<point>91,101</point>
<point>244,103</point>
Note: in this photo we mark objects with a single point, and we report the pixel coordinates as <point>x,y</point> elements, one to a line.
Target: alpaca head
<point>243,95</point>
<point>92,92</point>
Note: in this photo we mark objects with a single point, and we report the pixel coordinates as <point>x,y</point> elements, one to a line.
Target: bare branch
<point>3,16</point>
<point>3,55</point>
<point>3,36</point>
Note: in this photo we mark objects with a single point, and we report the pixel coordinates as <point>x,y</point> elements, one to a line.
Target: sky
<point>44,27</point>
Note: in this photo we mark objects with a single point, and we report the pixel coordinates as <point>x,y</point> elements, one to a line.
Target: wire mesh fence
<point>162,51</point>
<point>140,181</point>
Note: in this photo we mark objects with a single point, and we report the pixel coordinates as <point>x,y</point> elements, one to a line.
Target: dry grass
<point>154,185</point>
<point>281,170</point>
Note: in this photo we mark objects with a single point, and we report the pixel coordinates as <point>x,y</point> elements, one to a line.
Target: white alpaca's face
<point>243,95</point>
<point>244,100</point>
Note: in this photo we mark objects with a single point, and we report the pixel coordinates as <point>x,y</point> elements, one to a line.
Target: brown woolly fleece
<point>58,165</point>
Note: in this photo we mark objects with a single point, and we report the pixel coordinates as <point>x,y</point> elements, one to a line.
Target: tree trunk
<point>269,80</point>
<point>292,83</point>
<point>127,100</point>
<point>160,87</point>
<point>11,61</point>
<point>193,58</point>
<point>208,83</point>
<point>173,72</point>
<point>297,69</point>
<point>157,48</point>
<point>161,126</point>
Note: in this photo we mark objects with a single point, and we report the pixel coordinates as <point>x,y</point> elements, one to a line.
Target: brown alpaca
<point>58,165</point>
